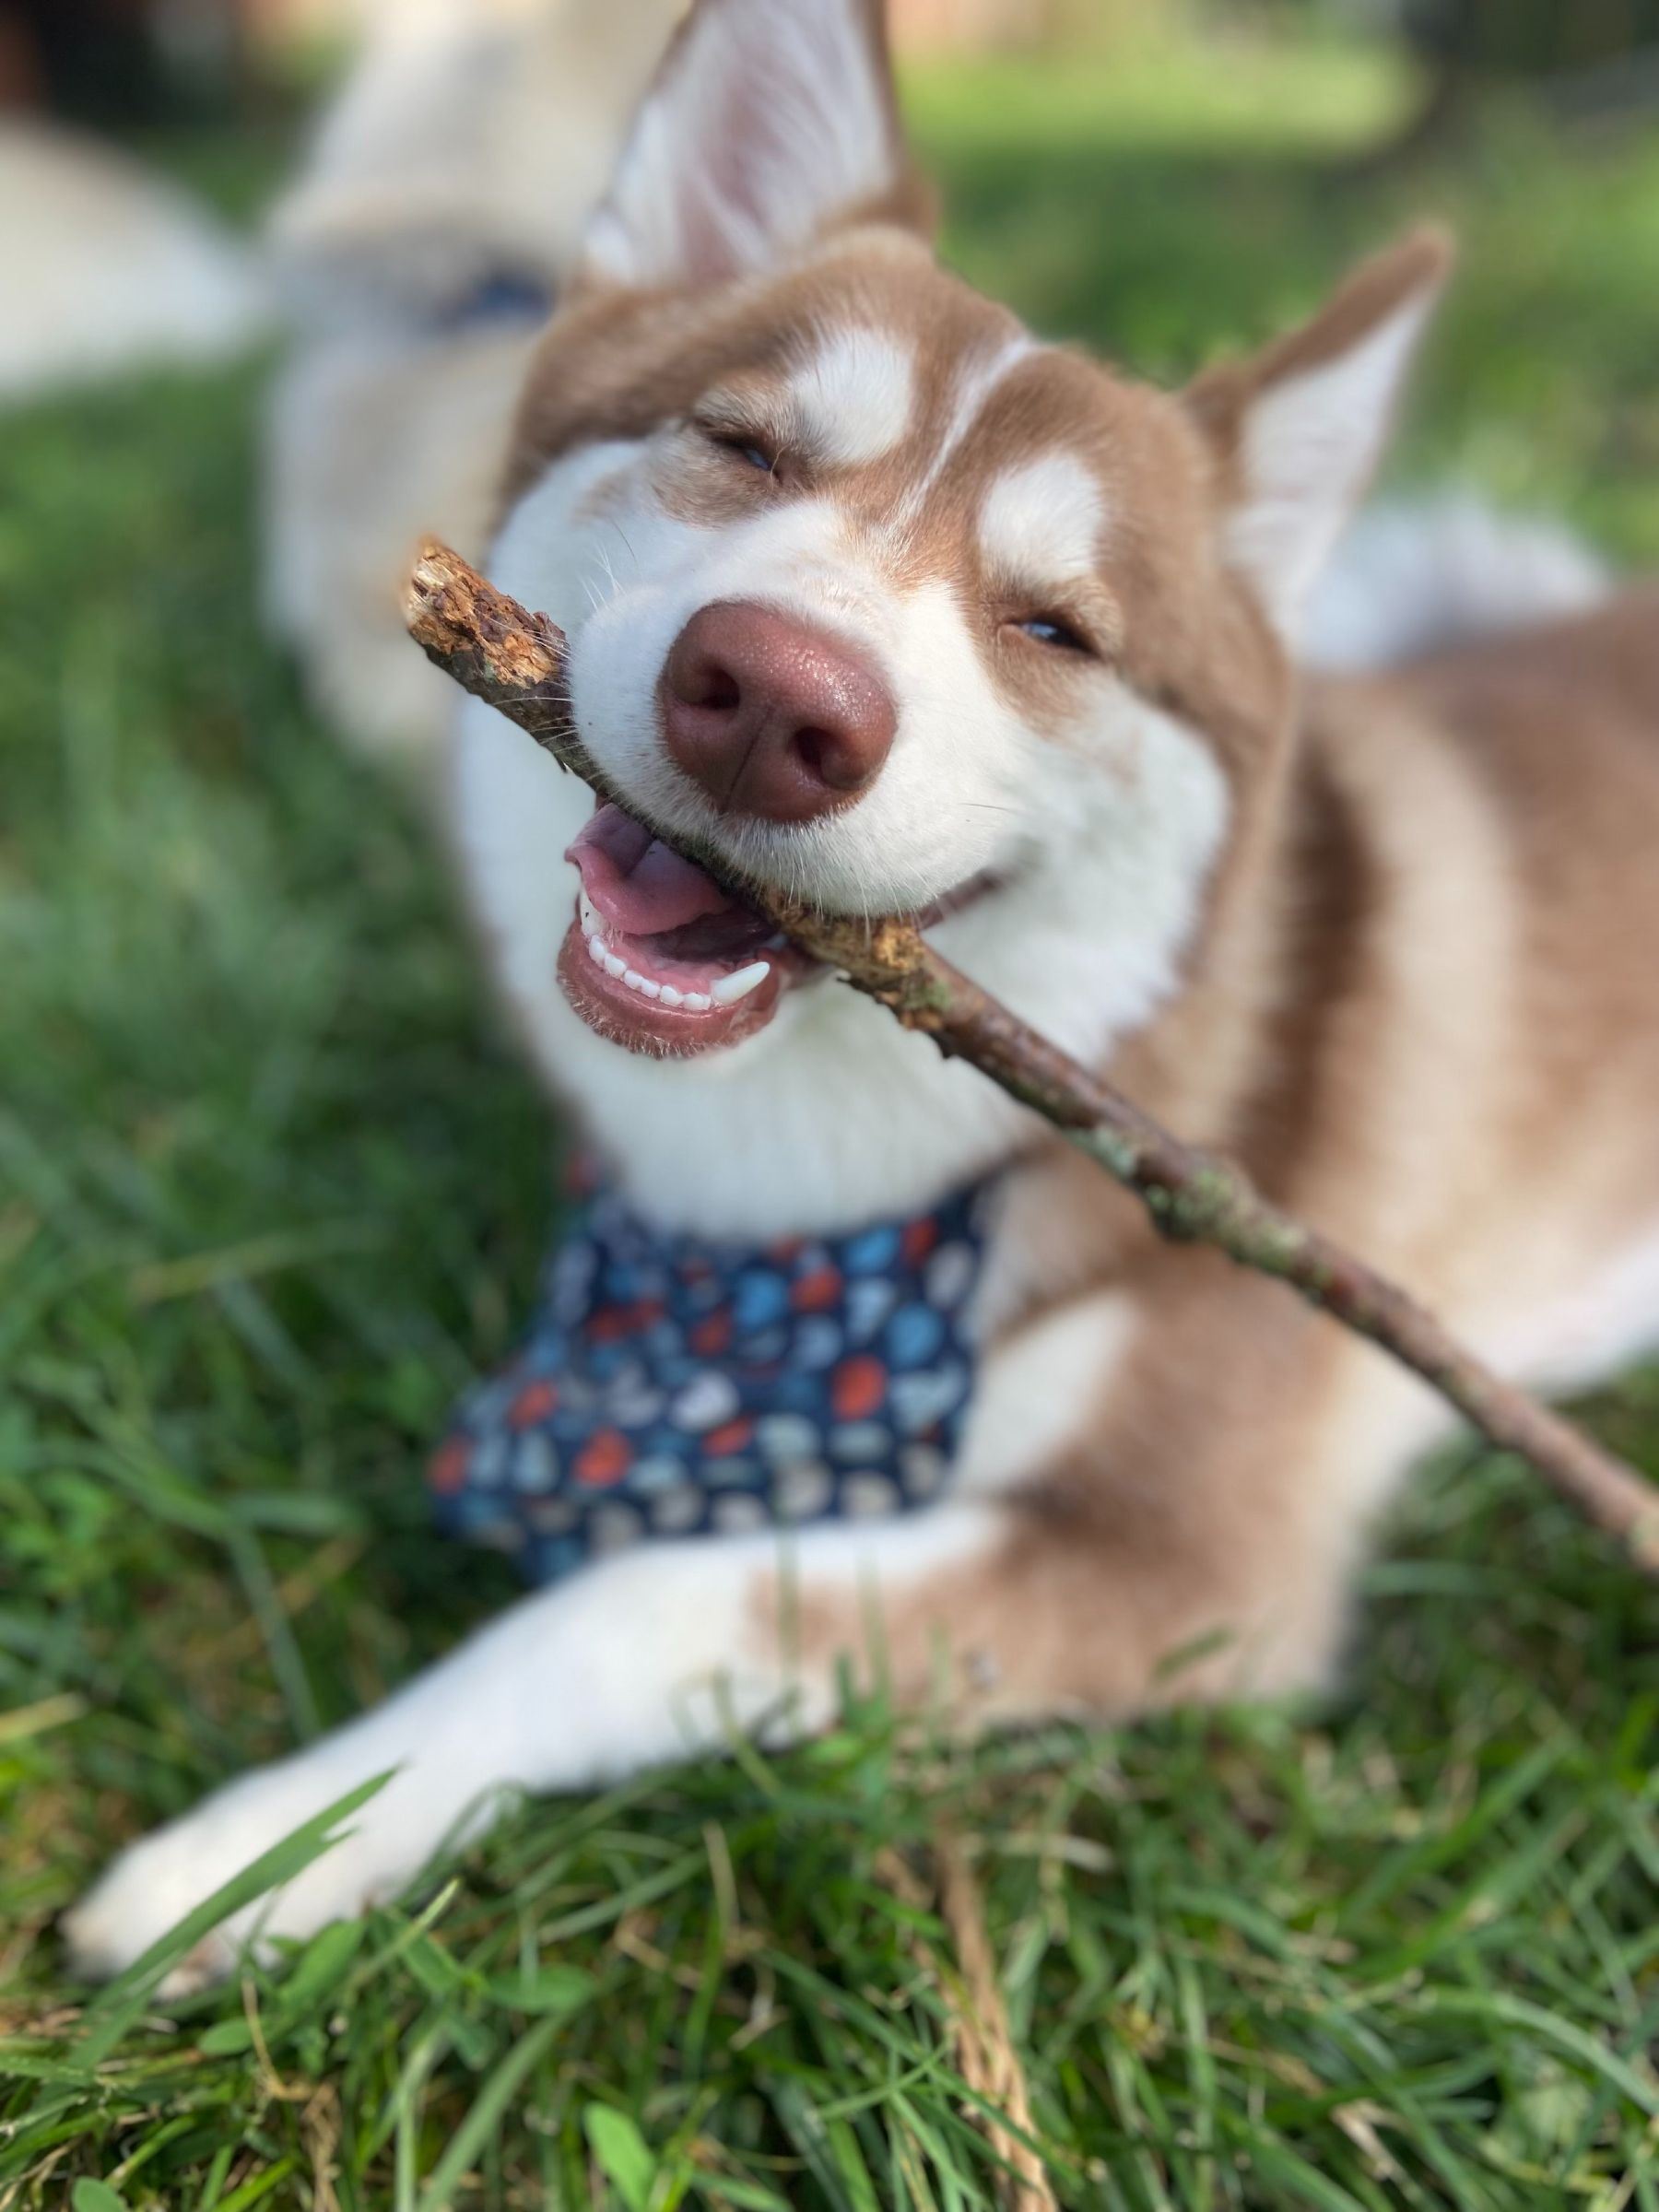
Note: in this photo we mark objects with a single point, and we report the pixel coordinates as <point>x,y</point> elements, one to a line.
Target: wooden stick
<point>515,661</point>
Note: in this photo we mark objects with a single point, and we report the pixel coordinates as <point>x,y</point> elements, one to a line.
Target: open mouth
<point>658,957</point>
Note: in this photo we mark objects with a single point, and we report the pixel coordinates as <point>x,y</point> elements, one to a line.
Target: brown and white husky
<point>907,611</point>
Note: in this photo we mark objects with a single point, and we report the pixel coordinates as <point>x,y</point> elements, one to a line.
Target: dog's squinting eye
<point>1049,630</point>
<point>744,448</point>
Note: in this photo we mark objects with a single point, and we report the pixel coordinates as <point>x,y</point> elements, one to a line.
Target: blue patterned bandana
<point>673,1387</point>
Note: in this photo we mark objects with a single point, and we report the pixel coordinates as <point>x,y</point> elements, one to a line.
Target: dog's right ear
<point>770,121</point>
<point>1297,431</point>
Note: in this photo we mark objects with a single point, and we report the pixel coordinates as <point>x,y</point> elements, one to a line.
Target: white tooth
<point>652,990</point>
<point>633,978</point>
<point>596,946</point>
<point>730,988</point>
<point>698,1002</point>
<point>590,920</point>
<point>613,966</point>
<point>671,997</point>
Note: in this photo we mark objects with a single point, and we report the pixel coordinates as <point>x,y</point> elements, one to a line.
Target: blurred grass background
<point>271,1187</point>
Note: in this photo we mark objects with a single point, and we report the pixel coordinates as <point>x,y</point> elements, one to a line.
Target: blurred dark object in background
<point>116,63</point>
<point>1589,60</point>
<point>108,264</point>
<point>1530,38</point>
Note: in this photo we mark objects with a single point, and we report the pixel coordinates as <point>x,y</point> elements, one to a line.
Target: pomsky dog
<point>907,611</point>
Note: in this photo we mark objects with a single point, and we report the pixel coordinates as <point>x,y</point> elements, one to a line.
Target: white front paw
<point>152,1887</point>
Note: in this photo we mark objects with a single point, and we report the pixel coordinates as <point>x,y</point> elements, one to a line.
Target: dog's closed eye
<point>1054,631</point>
<point>742,445</point>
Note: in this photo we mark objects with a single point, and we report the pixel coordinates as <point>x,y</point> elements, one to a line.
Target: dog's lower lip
<point>663,1005</point>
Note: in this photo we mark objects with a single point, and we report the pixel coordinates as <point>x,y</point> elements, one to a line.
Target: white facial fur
<point>851,404</point>
<point>832,1114</point>
<point>1041,521</point>
<point>975,383</point>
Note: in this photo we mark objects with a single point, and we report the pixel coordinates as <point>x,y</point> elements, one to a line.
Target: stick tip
<point>437,575</point>
<point>435,565</point>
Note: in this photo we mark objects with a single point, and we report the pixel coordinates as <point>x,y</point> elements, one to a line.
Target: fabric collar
<point>671,1386</point>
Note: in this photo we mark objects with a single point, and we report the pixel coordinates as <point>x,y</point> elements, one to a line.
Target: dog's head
<point>899,608</point>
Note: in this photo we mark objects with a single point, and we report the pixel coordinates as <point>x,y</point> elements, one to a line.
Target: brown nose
<point>770,717</point>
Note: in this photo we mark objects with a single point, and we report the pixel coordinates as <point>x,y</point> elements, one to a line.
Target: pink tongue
<point>636,884</point>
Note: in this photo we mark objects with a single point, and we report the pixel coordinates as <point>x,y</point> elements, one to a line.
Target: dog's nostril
<point>719,690</point>
<point>699,680</point>
<point>816,750</point>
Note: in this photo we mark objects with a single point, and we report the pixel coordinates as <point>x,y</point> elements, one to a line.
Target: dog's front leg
<point>634,1661</point>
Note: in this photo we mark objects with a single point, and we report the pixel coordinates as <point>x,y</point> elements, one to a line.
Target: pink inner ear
<point>768,118</point>
<point>737,148</point>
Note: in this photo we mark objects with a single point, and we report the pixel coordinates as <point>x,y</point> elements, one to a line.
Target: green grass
<point>271,1186</point>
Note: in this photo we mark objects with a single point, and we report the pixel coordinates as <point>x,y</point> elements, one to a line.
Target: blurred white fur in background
<point>105,268</point>
<point>1416,574</point>
<point>416,254</point>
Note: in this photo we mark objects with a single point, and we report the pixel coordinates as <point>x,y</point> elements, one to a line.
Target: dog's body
<point>1023,636</point>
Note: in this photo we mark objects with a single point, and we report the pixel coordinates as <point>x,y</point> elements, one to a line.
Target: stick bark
<point>514,660</point>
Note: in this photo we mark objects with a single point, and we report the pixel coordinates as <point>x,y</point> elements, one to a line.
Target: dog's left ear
<point>1299,430</point>
<point>770,121</point>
